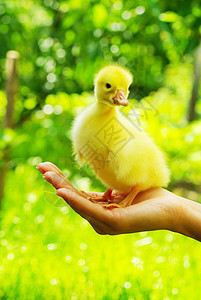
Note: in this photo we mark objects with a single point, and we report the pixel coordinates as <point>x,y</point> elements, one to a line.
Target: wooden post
<point>11,90</point>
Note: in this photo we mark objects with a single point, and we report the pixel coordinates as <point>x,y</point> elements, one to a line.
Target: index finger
<point>48,166</point>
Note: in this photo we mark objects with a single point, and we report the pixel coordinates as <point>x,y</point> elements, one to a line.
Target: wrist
<point>187,218</point>
<point>191,219</point>
<point>175,214</point>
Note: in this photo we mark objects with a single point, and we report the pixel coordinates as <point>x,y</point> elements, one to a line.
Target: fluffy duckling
<point>122,156</point>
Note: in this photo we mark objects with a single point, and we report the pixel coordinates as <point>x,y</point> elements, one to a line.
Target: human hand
<point>153,209</point>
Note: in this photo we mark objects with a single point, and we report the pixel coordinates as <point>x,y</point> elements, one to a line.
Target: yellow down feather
<point>121,154</point>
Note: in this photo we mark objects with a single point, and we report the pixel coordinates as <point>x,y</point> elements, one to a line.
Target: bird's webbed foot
<point>106,197</point>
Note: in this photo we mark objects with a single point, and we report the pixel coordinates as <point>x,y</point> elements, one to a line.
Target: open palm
<point>152,209</point>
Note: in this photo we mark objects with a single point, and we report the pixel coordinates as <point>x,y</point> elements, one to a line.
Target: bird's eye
<point>108,85</point>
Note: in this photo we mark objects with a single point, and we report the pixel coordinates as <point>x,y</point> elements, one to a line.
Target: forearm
<point>189,219</point>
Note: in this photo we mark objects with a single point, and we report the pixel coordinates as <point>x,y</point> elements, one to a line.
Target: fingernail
<point>37,167</point>
<point>44,176</point>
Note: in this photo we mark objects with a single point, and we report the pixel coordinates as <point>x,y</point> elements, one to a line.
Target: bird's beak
<point>120,98</point>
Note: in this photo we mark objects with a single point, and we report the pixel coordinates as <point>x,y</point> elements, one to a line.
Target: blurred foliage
<point>47,251</point>
<point>62,43</point>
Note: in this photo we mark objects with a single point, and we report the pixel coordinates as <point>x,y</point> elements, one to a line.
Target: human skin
<point>153,209</point>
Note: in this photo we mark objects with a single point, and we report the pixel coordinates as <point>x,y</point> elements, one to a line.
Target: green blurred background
<point>46,250</point>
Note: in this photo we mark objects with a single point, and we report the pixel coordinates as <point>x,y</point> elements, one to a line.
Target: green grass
<point>49,252</point>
